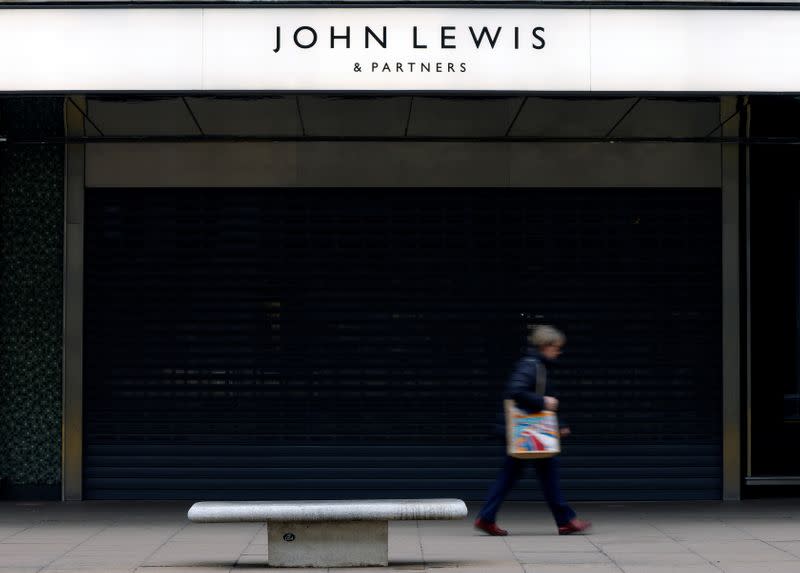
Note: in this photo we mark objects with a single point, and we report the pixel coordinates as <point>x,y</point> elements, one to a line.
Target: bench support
<point>327,543</point>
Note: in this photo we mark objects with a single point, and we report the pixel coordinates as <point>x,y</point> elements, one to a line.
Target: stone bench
<point>327,533</point>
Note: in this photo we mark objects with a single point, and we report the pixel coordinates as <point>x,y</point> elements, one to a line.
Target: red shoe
<point>490,528</point>
<point>574,526</point>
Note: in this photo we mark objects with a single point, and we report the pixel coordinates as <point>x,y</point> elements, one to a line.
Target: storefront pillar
<point>72,450</point>
<point>731,339</point>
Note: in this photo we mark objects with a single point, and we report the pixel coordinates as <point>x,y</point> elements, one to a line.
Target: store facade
<point>291,252</point>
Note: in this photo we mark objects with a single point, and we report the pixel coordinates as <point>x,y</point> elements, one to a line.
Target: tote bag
<point>532,435</point>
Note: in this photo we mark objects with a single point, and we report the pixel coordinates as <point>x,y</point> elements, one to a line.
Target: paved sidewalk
<point>116,537</point>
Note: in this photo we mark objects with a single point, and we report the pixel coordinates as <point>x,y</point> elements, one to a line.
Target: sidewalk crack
<point>600,549</point>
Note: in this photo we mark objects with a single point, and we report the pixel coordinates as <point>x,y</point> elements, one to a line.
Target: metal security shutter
<point>322,343</point>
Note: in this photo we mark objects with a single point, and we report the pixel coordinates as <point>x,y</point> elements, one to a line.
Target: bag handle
<point>541,378</point>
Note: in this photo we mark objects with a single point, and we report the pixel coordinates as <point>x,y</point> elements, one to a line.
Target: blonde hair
<point>542,335</point>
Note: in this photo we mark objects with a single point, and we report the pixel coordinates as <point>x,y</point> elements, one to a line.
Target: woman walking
<point>545,344</point>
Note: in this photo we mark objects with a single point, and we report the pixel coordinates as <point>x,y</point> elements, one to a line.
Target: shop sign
<point>399,49</point>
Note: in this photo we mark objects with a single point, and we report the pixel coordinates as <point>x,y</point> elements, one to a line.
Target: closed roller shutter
<point>324,343</point>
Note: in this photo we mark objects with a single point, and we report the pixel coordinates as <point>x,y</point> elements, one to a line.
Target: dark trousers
<point>548,471</point>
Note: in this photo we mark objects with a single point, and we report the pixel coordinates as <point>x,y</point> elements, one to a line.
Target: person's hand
<point>565,432</point>
<point>550,403</point>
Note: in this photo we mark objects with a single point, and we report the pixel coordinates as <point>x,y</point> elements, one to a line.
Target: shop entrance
<point>353,340</point>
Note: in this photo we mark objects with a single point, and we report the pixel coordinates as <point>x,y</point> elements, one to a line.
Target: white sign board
<point>399,49</point>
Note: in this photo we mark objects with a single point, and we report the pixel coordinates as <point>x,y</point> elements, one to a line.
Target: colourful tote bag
<point>532,435</point>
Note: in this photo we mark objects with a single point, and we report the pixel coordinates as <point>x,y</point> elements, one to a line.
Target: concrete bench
<point>327,533</point>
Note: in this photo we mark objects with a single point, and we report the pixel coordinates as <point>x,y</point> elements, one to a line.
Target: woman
<point>545,344</point>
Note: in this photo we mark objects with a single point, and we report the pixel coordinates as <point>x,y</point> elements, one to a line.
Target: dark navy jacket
<point>521,387</point>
